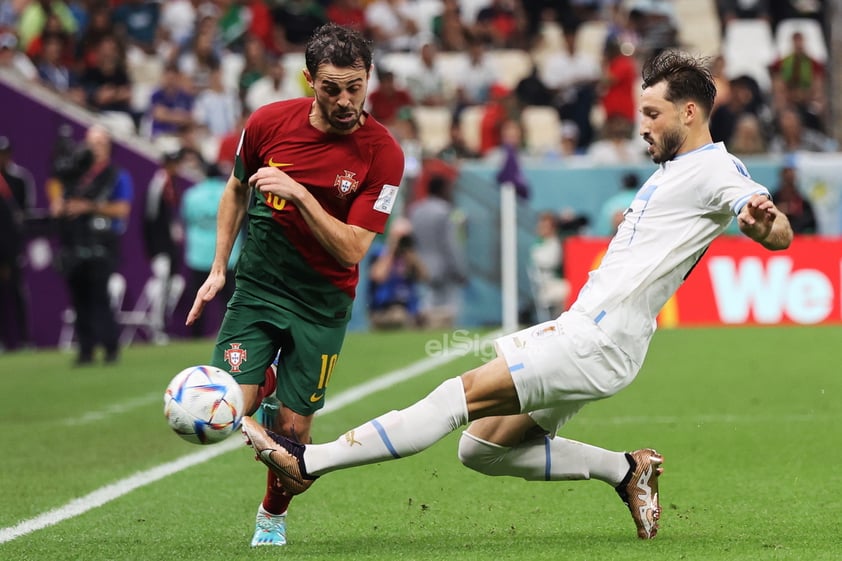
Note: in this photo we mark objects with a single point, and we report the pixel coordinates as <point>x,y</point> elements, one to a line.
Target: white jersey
<point>674,217</point>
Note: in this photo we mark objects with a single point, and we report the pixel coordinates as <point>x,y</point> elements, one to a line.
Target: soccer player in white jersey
<point>543,375</point>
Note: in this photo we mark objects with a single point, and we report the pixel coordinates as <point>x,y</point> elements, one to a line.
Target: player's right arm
<point>232,210</point>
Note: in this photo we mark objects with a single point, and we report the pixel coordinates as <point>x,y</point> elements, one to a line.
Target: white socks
<point>545,459</point>
<point>395,434</point>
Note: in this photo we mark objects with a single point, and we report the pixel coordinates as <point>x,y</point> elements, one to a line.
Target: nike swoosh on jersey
<point>316,397</point>
<point>275,164</point>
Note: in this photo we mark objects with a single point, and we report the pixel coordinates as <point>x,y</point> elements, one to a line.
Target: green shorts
<point>252,332</point>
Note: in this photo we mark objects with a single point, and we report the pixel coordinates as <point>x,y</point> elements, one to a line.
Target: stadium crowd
<point>185,73</point>
<point>474,79</point>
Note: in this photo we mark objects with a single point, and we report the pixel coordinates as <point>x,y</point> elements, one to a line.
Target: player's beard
<point>667,148</point>
<point>335,118</point>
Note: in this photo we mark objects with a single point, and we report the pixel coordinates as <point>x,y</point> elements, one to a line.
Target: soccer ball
<point>203,404</point>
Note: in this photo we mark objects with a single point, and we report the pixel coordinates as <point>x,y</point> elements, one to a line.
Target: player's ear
<point>690,112</point>
<point>309,79</point>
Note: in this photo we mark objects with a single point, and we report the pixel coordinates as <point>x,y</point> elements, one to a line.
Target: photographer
<point>394,274</point>
<point>92,213</point>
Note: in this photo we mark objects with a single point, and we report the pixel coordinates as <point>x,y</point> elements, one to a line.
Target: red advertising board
<point>740,282</point>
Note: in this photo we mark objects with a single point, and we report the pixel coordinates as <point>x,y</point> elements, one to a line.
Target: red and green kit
<point>291,292</point>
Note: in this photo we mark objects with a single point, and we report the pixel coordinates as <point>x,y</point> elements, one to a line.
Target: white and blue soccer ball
<point>203,404</point>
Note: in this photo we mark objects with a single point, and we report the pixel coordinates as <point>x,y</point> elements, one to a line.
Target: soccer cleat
<point>639,490</point>
<point>270,529</point>
<point>281,455</point>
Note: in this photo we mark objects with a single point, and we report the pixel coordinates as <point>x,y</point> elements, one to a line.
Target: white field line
<point>116,490</point>
<point>115,409</point>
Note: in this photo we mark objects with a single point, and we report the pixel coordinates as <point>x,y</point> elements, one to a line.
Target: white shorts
<point>560,365</point>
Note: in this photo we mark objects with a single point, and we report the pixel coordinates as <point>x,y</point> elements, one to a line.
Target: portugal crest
<point>346,184</point>
<point>235,356</point>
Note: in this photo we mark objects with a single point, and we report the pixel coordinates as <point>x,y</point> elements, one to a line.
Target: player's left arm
<point>346,242</point>
<point>762,221</point>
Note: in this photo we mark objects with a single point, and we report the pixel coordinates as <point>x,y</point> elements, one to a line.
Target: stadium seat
<point>541,128</point>
<point>590,38</point>
<point>433,127</point>
<point>470,8</point>
<point>402,65</point>
<point>702,36</point>
<point>512,65</point>
<point>814,41</point>
<point>749,49</point>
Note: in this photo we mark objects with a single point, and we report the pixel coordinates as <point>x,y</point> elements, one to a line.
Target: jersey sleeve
<point>245,158</point>
<point>732,187</point>
<point>372,207</point>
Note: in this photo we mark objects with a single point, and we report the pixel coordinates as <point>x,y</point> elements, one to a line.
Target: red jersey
<point>354,177</point>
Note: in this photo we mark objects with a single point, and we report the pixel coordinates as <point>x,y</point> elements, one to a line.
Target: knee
<point>480,455</point>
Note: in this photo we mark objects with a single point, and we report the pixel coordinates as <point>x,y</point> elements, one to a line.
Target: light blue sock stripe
<point>549,464</point>
<point>385,438</point>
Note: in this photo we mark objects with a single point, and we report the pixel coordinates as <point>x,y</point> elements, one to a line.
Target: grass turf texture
<point>747,419</point>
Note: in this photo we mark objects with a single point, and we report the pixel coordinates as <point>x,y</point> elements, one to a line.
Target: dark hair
<point>337,45</point>
<point>687,78</point>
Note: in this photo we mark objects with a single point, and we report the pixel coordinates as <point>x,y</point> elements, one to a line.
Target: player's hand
<point>756,217</point>
<point>206,293</point>
<point>272,180</point>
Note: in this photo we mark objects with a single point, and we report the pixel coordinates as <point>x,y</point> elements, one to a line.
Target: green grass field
<point>748,420</point>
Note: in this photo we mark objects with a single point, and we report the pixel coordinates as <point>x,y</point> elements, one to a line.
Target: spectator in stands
<point>92,213</point>
<point>17,199</point>
<point>449,29</point>
<point>531,90</point>
<point>137,22</point>
<point>262,26</point>
<point>457,149</point>
<point>171,105</point>
<point>617,85</point>
<point>747,138</point>
<point>99,27</point>
<point>55,73</point>
<point>297,20</point>
<point>198,60</point>
<point>730,10</point>
<point>14,60</point>
<point>495,113</point>
<point>52,28</point>
<point>275,86</point>
<point>477,77</point>
<point>395,271</point>
<point>388,99</point>
<point>163,235</point>
<point>568,146</point>
<point>347,13</point>
<point>573,77</point>
<point>723,85</point>
<point>392,25</point>
<point>34,16</point>
<point>436,226</point>
<point>744,97</point>
<point>217,109</point>
<point>793,136</point>
<point>256,64</point>
<point>234,20</point>
<point>656,26</point>
<point>546,267</point>
<point>198,211</point>
<point>616,147</point>
<point>107,86</point>
<point>500,25</point>
<point>426,86</point>
<point>789,200</point>
<point>798,80</point>
<point>178,21</point>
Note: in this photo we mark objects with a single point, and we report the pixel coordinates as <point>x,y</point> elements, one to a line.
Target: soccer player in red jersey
<point>318,178</point>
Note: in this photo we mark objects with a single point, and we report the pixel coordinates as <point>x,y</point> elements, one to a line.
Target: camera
<point>70,160</point>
